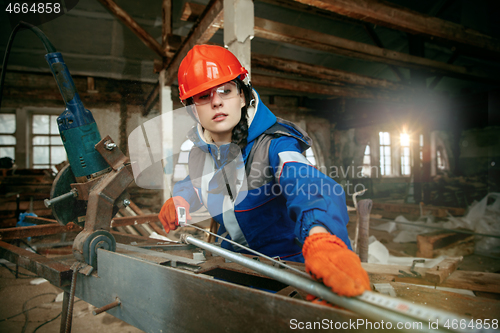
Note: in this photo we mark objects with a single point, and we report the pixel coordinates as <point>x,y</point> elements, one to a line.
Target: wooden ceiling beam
<point>373,35</point>
<point>265,62</point>
<point>273,82</point>
<point>166,14</point>
<point>191,11</point>
<point>385,14</point>
<point>315,40</point>
<point>319,41</point>
<point>206,26</point>
<point>143,35</point>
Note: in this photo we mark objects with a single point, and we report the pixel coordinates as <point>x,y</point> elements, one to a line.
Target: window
<point>421,148</point>
<point>310,156</point>
<point>385,153</point>
<point>440,160</point>
<point>7,135</point>
<point>48,149</point>
<point>405,154</point>
<point>181,168</point>
<point>366,171</point>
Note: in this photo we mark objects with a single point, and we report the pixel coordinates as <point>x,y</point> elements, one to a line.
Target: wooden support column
<point>418,119</point>
<point>167,131</point>
<point>238,29</point>
<point>426,165</point>
<point>201,33</point>
<point>166,11</point>
<point>22,156</point>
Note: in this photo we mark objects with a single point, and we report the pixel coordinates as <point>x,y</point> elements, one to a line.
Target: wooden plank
<point>132,220</point>
<point>478,308</point>
<point>23,206</point>
<point>135,209</point>
<point>441,271</point>
<point>390,15</point>
<point>58,274</point>
<point>143,35</point>
<point>319,41</point>
<point>476,281</point>
<point>38,230</point>
<point>433,244</point>
<point>125,238</point>
<point>389,270</point>
<point>141,230</point>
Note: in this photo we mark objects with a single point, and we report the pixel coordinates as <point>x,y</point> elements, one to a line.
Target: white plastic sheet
<point>482,217</point>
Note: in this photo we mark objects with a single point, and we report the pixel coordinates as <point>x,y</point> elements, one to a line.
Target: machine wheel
<point>71,209</point>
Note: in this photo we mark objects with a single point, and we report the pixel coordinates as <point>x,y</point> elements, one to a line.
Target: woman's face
<point>219,110</point>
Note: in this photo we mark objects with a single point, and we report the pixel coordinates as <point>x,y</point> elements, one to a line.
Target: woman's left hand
<point>328,259</point>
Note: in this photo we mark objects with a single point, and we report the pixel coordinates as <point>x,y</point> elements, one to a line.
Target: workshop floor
<point>17,295</point>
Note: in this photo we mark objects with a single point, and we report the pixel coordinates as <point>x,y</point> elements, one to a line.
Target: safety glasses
<point>227,90</point>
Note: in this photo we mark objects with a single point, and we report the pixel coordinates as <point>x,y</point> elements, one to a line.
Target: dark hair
<point>240,131</point>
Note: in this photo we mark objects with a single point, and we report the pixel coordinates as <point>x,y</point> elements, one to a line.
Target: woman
<point>247,169</point>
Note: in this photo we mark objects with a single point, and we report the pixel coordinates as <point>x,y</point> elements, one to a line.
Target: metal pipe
<point>71,194</point>
<point>370,304</point>
<point>254,252</point>
<point>107,307</point>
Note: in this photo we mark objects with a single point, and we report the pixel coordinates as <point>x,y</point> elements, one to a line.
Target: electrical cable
<point>25,312</point>
<point>51,320</point>
<point>46,43</point>
<point>29,276</point>
<point>48,321</point>
<point>26,243</point>
<point>20,313</point>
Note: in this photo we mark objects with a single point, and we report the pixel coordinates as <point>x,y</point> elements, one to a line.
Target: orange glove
<point>329,260</point>
<point>168,213</point>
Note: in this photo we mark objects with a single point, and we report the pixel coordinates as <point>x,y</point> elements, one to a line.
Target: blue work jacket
<point>271,204</point>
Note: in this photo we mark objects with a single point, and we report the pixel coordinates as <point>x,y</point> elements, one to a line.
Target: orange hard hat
<point>205,67</point>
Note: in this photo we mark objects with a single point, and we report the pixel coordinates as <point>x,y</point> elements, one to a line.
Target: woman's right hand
<point>168,213</point>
